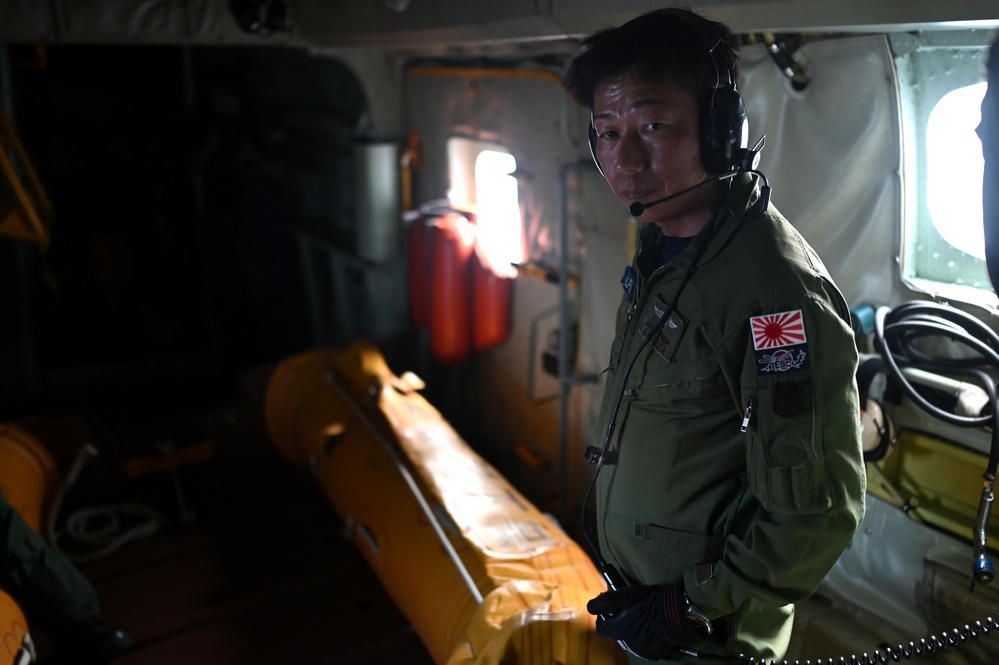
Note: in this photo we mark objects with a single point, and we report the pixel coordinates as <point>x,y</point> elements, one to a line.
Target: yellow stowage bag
<point>363,431</point>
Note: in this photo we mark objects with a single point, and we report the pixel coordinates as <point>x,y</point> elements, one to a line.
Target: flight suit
<point>735,460</point>
<point>50,589</point>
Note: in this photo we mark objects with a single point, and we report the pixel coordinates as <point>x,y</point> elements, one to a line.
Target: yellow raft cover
<point>362,429</point>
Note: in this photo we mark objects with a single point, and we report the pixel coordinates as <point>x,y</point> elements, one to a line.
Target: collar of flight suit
<point>736,205</point>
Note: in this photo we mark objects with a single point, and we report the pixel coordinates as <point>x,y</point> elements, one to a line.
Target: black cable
<point>898,330</point>
<point>762,203</point>
<point>882,655</point>
<point>599,457</point>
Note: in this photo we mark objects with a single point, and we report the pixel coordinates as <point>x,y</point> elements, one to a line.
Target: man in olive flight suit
<point>730,475</point>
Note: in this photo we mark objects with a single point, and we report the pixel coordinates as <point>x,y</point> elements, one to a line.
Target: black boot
<point>90,642</point>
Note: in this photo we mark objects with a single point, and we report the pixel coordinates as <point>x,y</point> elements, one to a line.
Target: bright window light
<point>498,208</point>
<point>942,84</point>
<point>482,179</point>
<point>955,166</point>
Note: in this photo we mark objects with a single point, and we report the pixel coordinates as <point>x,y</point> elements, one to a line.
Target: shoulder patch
<point>779,342</point>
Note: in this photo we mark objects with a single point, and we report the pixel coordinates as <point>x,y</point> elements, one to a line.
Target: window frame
<point>926,73</point>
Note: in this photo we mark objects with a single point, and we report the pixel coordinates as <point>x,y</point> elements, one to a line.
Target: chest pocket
<point>676,369</point>
<point>683,389</point>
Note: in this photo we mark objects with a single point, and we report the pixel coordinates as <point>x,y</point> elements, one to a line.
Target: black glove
<point>650,619</point>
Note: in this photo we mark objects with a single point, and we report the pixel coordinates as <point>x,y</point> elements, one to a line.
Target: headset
<point>724,122</point>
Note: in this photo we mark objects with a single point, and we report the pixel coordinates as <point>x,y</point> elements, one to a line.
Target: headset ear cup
<point>724,130</point>
<point>592,139</point>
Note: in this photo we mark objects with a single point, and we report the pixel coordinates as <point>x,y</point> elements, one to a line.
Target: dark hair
<point>673,44</point>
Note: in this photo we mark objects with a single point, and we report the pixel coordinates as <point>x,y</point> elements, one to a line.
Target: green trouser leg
<point>47,586</point>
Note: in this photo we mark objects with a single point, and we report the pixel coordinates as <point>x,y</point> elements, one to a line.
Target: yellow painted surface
<point>352,420</point>
<point>28,474</point>
<point>13,629</point>
<point>942,482</point>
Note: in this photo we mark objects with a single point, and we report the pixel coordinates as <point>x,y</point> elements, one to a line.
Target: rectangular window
<point>482,181</point>
<point>941,77</point>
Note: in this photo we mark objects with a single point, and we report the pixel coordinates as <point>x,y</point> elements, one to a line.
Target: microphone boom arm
<point>637,208</point>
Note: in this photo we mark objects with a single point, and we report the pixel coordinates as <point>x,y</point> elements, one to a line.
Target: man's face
<point>648,144</point>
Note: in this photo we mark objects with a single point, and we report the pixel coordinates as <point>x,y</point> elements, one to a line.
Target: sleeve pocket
<point>784,469</point>
<point>785,420</point>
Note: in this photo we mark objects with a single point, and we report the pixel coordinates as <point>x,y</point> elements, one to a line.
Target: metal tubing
<point>566,380</point>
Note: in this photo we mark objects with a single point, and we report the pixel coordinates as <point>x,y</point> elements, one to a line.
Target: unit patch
<point>779,342</point>
<point>628,281</point>
<point>668,339</point>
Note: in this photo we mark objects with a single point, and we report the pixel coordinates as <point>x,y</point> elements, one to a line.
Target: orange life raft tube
<point>28,478</point>
<point>484,577</point>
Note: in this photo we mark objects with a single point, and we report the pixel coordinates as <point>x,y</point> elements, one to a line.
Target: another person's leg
<point>54,595</point>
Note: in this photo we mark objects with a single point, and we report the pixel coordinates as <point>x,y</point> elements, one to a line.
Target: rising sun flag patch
<point>771,331</point>
<point>779,341</point>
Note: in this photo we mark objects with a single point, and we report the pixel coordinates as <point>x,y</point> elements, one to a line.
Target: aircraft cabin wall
<point>846,154</point>
<point>833,154</point>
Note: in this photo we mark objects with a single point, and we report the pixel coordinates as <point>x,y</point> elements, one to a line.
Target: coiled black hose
<point>897,333</point>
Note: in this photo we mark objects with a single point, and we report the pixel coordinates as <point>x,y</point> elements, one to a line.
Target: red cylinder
<point>418,247</point>
<point>490,306</point>
<point>450,299</point>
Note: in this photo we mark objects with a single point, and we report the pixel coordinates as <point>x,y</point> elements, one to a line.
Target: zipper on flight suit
<point>747,415</point>
<point>633,304</point>
<point>636,293</point>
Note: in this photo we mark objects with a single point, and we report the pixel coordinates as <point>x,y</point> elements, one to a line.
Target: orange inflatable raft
<point>484,577</point>
<point>28,476</point>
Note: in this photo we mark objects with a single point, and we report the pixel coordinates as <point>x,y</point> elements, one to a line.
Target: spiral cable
<point>925,647</point>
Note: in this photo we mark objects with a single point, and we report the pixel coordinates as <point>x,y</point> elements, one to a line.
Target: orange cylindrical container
<point>451,289</point>
<point>294,393</point>
<point>498,582</point>
<point>28,480</point>
<point>28,474</point>
<point>310,420</point>
<point>17,644</point>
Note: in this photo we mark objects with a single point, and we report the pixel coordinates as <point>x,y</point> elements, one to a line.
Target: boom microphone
<point>637,208</point>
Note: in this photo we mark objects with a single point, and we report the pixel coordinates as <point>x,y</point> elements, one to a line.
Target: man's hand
<point>650,619</point>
